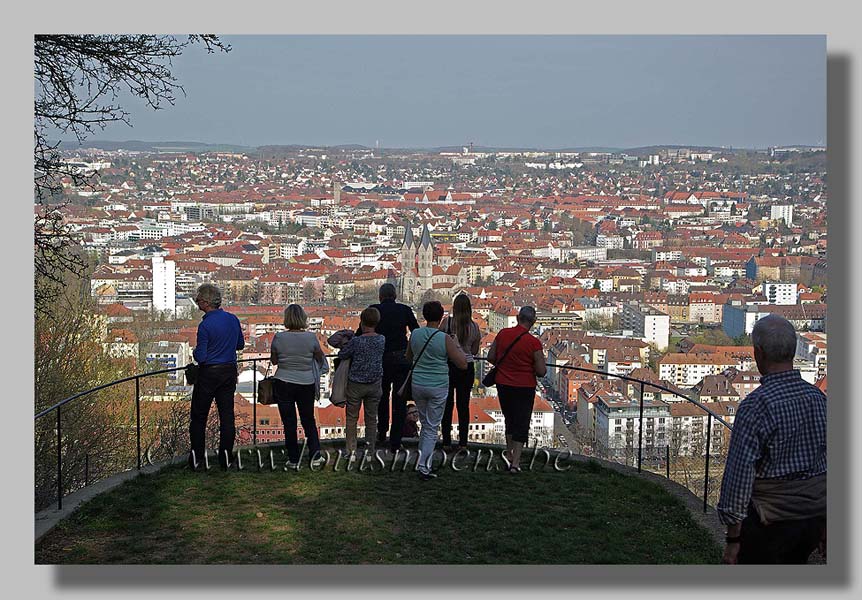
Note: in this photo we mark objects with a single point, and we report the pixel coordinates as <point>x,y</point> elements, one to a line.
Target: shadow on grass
<point>588,515</point>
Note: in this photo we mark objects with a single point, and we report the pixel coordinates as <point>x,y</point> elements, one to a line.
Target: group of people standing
<point>437,358</point>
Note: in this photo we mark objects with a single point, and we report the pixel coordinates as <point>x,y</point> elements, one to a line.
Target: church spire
<point>425,242</point>
<point>408,236</point>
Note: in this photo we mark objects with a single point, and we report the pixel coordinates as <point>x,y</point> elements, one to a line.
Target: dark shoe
<point>427,476</point>
<point>381,439</point>
<point>514,470</point>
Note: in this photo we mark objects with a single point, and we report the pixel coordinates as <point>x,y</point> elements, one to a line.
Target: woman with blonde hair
<point>461,327</point>
<point>295,351</point>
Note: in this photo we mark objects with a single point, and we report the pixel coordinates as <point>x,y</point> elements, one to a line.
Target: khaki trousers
<point>367,395</point>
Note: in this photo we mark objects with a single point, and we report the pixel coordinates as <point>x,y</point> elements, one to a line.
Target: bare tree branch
<point>78,79</point>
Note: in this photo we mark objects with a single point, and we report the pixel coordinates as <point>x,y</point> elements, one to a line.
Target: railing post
<point>706,468</point>
<point>641,429</point>
<point>254,404</point>
<point>59,463</point>
<point>138,416</point>
<point>667,461</point>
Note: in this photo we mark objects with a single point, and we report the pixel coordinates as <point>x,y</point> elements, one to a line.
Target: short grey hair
<point>775,337</point>
<point>210,293</point>
<point>527,314</point>
<point>387,292</point>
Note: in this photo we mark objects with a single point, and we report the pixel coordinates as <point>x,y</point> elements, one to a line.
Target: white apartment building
<point>780,292</point>
<point>663,254</point>
<point>617,427</point>
<point>811,347</point>
<point>152,230</point>
<point>592,253</point>
<point>609,241</point>
<point>648,323</point>
<point>686,370</point>
<point>164,285</point>
<point>689,425</point>
<point>169,355</point>
<point>498,321</point>
<point>784,212</point>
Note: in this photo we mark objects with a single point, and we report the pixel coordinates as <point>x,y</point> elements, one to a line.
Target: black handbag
<point>405,392</point>
<point>192,373</point>
<point>490,378</point>
<point>265,389</point>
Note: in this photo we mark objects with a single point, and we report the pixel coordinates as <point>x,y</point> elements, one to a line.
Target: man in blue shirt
<point>773,493</point>
<point>219,338</point>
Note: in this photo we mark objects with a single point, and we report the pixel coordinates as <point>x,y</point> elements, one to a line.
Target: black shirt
<point>395,319</point>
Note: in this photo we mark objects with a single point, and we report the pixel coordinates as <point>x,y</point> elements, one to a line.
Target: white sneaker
<point>291,465</point>
<point>316,462</point>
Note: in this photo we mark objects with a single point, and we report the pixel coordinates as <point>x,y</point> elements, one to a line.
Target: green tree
<point>742,340</point>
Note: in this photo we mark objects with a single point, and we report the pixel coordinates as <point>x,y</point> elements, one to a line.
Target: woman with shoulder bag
<point>294,351</point>
<point>429,379</point>
<point>364,380</point>
<point>461,327</point>
<point>518,359</point>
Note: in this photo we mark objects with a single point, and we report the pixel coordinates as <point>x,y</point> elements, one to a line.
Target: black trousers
<point>214,382</point>
<point>517,406</point>
<point>780,543</point>
<point>395,369</point>
<point>460,385</point>
<point>293,397</point>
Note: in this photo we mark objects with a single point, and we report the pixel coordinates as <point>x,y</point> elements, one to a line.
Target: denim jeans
<point>430,401</point>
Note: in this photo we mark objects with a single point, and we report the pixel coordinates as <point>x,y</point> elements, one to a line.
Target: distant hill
<point>139,146</point>
<point>182,146</point>
<point>657,147</point>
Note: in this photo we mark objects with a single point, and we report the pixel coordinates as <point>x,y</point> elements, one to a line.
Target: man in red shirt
<point>519,359</point>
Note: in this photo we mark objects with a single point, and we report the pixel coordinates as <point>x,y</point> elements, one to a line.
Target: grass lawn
<point>589,515</point>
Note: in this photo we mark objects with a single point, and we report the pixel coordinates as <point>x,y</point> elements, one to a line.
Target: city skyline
<point>543,92</point>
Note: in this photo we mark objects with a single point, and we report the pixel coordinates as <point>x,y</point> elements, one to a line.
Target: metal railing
<point>710,417</point>
<point>58,408</point>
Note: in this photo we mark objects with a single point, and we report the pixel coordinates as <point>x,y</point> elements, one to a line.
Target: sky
<point>550,92</point>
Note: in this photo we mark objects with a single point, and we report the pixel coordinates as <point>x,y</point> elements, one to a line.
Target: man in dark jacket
<point>219,337</point>
<point>396,320</point>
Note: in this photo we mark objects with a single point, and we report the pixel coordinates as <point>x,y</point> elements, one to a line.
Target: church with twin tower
<point>417,276</point>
